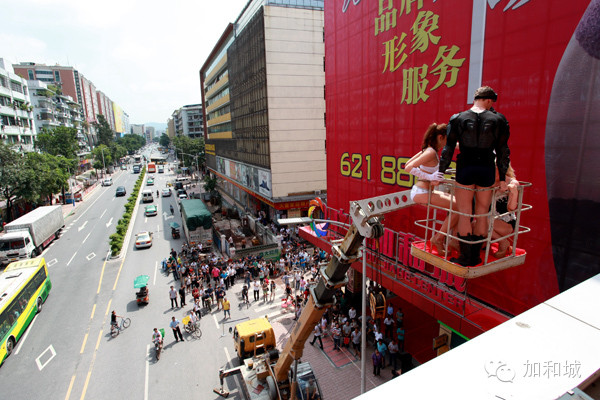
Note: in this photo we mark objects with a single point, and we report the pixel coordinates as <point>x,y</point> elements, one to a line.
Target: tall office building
<point>264,108</point>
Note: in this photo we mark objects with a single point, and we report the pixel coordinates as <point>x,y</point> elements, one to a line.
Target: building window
<point>30,74</point>
<point>57,76</point>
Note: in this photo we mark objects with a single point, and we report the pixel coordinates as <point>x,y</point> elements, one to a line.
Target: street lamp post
<point>103,164</point>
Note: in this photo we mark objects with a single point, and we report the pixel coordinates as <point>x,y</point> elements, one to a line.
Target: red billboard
<point>395,66</point>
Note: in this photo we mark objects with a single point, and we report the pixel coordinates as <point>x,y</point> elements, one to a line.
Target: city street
<point>69,351</point>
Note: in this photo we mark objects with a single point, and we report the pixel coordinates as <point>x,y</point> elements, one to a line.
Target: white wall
<point>295,82</point>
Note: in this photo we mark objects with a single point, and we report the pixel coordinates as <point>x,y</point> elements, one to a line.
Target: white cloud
<point>145,55</point>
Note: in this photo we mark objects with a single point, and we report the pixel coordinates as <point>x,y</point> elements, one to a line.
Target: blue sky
<point>144,54</point>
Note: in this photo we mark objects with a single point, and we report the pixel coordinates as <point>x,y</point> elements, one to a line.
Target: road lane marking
<point>82,226</point>
<point>39,363</point>
<point>90,256</point>
<point>85,338</point>
<point>86,238</point>
<point>103,212</point>
<point>216,322</point>
<point>108,307</point>
<point>25,336</point>
<point>93,311</point>
<point>155,272</point>
<point>102,272</point>
<point>109,222</point>
<point>147,372</point>
<point>98,341</point>
<point>70,388</point>
<point>52,262</point>
<point>227,354</point>
<point>119,274</point>
<point>72,257</point>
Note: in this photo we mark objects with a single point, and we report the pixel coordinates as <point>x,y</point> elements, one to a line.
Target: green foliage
<point>210,183</point>
<point>164,140</point>
<point>58,141</point>
<point>102,157</point>
<point>11,178</point>
<point>116,239</point>
<point>189,146</point>
<point>105,135</point>
<point>131,142</point>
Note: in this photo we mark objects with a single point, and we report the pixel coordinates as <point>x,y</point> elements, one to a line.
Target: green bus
<point>24,287</point>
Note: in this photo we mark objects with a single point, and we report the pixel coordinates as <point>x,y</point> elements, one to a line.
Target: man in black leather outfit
<point>482,134</point>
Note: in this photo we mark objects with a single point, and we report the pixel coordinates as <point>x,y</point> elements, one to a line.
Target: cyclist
<point>157,338</point>
<point>157,193</point>
<point>171,208</point>
<point>113,321</point>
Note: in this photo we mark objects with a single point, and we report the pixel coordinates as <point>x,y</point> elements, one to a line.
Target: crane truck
<point>270,375</point>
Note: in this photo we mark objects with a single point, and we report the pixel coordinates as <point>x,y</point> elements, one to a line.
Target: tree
<point>117,151</point>
<point>45,175</point>
<point>11,176</point>
<point>164,140</point>
<point>59,141</point>
<point>102,157</point>
<point>105,135</point>
<point>131,142</point>
<point>191,146</point>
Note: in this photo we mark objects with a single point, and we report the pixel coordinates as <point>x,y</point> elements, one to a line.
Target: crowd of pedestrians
<point>205,280</point>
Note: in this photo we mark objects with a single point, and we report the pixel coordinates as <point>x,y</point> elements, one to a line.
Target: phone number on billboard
<point>360,166</point>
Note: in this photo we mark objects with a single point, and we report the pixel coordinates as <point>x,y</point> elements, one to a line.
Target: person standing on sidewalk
<point>393,350</point>
<point>377,362</point>
<point>336,333</point>
<point>382,349</point>
<point>273,287</point>
<point>356,341</point>
<point>176,331</point>
<point>226,308</point>
<point>182,295</point>
<point>317,336</point>
<point>173,297</point>
<point>256,287</point>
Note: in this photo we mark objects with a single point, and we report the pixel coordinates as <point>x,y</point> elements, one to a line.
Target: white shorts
<point>417,190</point>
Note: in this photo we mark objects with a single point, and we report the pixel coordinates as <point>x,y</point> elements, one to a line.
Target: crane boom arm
<point>365,223</point>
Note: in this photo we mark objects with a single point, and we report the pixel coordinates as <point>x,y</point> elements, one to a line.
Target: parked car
<point>143,240</point>
<point>150,210</point>
<point>107,182</point>
<point>120,191</point>
<point>166,192</point>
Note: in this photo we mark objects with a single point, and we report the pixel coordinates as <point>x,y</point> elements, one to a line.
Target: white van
<point>183,179</point>
<point>147,196</point>
<point>107,182</point>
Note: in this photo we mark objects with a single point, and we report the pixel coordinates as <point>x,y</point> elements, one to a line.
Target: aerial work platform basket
<point>424,250</point>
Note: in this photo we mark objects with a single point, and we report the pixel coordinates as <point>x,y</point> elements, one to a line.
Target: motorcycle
<point>158,345</point>
<point>175,230</point>
<point>141,296</point>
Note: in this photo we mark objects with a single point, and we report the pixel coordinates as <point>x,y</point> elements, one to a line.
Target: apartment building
<point>51,109</point>
<point>189,121</point>
<point>16,112</point>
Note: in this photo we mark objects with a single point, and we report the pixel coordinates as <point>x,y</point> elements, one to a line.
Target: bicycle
<point>116,329</point>
<point>192,328</point>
